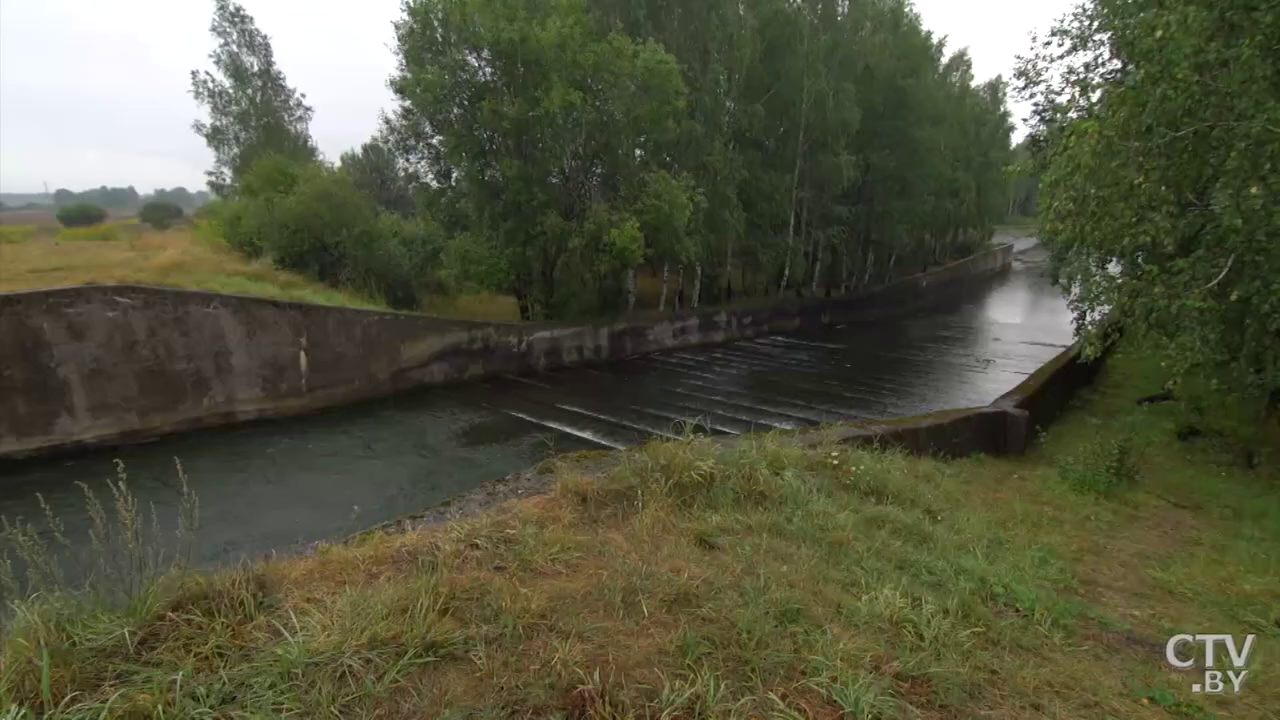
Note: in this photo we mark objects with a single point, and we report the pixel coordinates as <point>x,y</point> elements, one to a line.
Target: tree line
<point>128,198</point>
<point>552,149</point>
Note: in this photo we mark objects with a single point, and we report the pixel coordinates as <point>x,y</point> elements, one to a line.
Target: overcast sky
<point>97,93</point>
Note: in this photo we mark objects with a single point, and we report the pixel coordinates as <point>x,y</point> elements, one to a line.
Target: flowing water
<point>268,486</point>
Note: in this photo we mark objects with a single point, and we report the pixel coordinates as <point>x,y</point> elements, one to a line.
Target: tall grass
<point>102,232</point>
<point>17,233</point>
<point>127,558</point>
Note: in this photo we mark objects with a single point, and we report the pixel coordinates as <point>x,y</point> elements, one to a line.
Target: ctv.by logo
<point>1213,683</point>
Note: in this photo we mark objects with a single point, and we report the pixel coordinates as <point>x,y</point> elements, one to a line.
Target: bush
<point>81,215</point>
<point>1103,465</point>
<point>312,219</point>
<point>160,214</point>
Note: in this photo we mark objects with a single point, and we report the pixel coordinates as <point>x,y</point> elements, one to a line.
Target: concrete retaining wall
<point>113,364</point>
<point>1005,427</point>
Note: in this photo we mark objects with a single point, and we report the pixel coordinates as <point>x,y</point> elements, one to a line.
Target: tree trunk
<point>791,221</point>
<point>662,299</point>
<point>697,284</point>
<point>795,173</point>
<point>889,273</point>
<point>817,270</point>
<point>815,250</point>
<point>871,263</point>
<point>728,271</point>
<point>522,302</point>
<point>844,269</point>
<point>631,289</point>
<point>679,288</point>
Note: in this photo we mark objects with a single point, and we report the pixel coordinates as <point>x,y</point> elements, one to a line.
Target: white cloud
<point>95,93</point>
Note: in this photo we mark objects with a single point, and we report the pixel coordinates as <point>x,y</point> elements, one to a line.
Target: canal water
<point>270,486</point>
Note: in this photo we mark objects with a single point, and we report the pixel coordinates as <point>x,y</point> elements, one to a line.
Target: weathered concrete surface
<point>1005,427</point>
<point>117,364</point>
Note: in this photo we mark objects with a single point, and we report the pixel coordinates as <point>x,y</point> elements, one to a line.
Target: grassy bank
<point>749,580</point>
<point>36,257</point>
<point>130,253</point>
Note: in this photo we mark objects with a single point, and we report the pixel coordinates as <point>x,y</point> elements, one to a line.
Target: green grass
<point>763,578</point>
<point>17,233</point>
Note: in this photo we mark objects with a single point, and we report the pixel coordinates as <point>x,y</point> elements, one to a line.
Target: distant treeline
<point>119,199</point>
<point>128,198</point>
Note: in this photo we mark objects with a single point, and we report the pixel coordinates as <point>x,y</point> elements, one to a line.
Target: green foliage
<point>376,172</point>
<point>252,111</point>
<point>160,214</point>
<point>819,143</point>
<point>544,126</point>
<point>1157,133</point>
<point>312,219</point>
<point>1102,465</point>
<point>80,215</point>
<point>559,146</point>
<point>1024,184</point>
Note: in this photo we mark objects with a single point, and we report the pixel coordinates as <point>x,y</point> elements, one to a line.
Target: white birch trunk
<point>631,289</point>
<point>795,174</point>
<point>662,299</point>
<point>697,285</point>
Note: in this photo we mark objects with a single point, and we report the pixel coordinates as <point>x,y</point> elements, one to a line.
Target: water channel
<point>269,486</point>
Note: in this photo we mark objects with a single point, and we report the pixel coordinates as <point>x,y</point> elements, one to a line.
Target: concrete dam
<point>272,485</point>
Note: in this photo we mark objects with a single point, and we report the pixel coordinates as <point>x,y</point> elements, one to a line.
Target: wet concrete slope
<point>962,354</point>
<point>270,485</point>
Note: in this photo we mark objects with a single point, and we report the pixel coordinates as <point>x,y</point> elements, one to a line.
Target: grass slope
<point>758,579</point>
<point>130,253</point>
<point>37,257</point>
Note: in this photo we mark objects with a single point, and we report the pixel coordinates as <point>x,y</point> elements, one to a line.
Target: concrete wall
<point>1005,427</point>
<point>112,364</point>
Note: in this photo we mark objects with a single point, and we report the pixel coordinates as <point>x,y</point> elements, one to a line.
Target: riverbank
<point>747,579</point>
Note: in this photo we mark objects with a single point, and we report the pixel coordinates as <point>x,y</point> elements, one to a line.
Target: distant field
<point>44,217</point>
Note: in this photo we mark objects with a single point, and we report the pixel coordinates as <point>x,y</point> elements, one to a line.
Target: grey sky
<point>95,93</point>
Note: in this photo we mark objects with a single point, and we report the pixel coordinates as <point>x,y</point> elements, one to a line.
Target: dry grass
<point>34,257</point>
<point>749,580</point>
<point>129,253</point>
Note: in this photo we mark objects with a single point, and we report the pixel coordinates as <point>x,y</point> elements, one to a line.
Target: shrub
<point>312,219</point>
<point>160,214</point>
<point>1101,466</point>
<point>81,215</point>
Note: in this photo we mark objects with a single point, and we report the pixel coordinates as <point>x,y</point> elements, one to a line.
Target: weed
<point>127,558</point>
<point>1102,466</point>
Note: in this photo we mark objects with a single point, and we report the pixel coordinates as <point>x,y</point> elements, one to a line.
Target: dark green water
<point>272,486</point>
